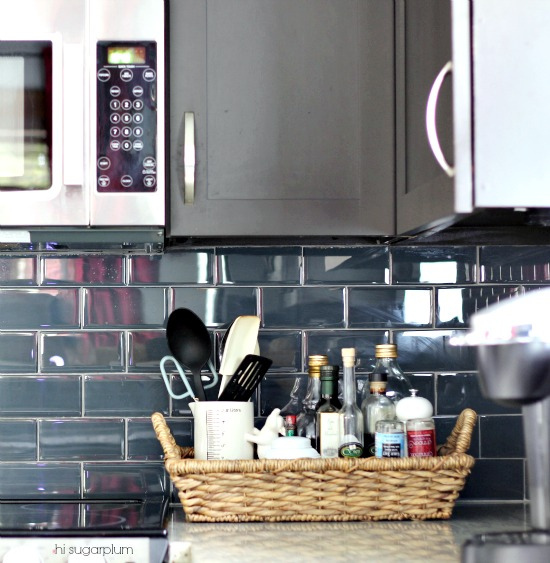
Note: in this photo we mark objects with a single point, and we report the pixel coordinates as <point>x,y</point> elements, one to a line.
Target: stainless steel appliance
<point>82,113</point>
<point>513,354</point>
<point>65,531</point>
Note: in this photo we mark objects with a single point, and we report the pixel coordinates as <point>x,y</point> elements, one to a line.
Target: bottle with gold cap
<point>398,384</point>
<point>305,421</point>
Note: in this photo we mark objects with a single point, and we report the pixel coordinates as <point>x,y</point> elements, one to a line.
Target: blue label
<point>389,445</point>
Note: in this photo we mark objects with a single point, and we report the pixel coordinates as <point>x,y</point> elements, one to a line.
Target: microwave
<point>82,123</point>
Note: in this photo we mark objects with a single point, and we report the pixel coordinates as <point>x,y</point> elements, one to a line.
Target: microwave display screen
<point>126,55</point>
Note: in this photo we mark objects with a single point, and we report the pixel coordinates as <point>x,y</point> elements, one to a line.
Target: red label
<point>421,443</point>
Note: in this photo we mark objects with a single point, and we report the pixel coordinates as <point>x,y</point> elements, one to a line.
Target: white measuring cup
<point>220,428</point>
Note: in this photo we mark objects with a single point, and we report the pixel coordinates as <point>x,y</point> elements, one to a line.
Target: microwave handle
<point>189,157</point>
<point>73,115</point>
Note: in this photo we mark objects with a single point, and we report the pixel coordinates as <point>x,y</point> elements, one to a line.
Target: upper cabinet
<point>472,111</point>
<point>281,117</point>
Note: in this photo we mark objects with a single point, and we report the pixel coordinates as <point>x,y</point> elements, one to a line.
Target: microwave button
<point>126,181</point>
<point>149,75</point>
<point>103,163</point>
<point>138,131</point>
<point>126,118</point>
<point>126,105</point>
<point>126,131</point>
<point>149,162</point>
<point>126,75</point>
<point>149,181</point>
<point>115,118</point>
<point>114,104</point>
<point>115,91</point>
<point>103,181</point>
<point>115,144</point>
<point>138,118</point>
<point>138,145</point>
<point>138,105</point>
<point>115,131</point>
<point>126,145</point>
<point>137,91</point>
<point>103,74</point>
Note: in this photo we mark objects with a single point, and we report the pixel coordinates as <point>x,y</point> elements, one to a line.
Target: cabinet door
<point>425,192</point>
<point>292,121</point>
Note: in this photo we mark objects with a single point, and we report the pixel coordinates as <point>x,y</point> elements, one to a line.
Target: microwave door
<point>41,130</point>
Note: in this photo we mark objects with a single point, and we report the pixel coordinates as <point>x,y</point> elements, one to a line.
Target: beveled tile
<point>217,306</point>
<point>279,390</point>
<point>82,351</point>
<point>124,307</point>
<point>125,480</point>
<point>83,269</point>
<point>18,352</point>
<point>434,264</point>
<point>495,479</point>
<point>36,396</point>
<point>284,348</point>
<point>502,436</point>
<point>29,309</point>
<point>520,264</point>
<point>81,439</point>
<point>347,265</point>
<point>259,265</point>
<point>389,307</point>
<point>147,348</point>
<point>143,443</point>
<point>18,270</point>
<point>18,440</point>
<point>173,267</point>
<point>303,307</point>
<point>124,395</point>
<point>39,481</point>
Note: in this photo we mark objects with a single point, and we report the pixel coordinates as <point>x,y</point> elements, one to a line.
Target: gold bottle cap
<point>385,351</point>
<point>314,364</point>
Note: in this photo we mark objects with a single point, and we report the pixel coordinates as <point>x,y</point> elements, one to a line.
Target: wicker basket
<point>305,490</point>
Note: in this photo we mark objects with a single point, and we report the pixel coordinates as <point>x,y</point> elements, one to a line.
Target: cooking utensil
<point>242,339</point>
<point>246,378</point>
<point>190,344</point>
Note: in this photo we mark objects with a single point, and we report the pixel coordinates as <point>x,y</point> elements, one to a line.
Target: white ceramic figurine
<point>274,425</point>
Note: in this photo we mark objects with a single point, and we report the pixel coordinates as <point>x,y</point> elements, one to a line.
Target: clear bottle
<point>327,413</point>
<point>305,421</point>
<point>386,360</point>
<point>376,406</point>
<point>351,417</point>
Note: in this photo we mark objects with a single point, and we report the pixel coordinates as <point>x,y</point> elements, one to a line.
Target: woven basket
<point>270,490</point>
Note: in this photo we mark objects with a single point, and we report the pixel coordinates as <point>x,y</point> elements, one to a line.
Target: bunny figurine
<point>274,425</point>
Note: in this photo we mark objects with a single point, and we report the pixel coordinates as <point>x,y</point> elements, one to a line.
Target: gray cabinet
<point>281,117</point>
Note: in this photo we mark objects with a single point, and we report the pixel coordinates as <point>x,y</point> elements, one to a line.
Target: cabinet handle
<point>431,113</point>
<point>189,157</point>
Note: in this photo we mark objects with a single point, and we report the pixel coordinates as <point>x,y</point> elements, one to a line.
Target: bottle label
<point>390,444</point>
<point>351,449</point>
<point>421,443</point>
<point>329,434</point>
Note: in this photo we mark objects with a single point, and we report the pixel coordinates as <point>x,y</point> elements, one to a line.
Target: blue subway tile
<point>217,306</point>
<point>124,395</point>
<point>433,264</point>
<point>389,307</point>
<point>457,391</point>
<point>143,443</point>
<point>262,266</point>
<point>29,309</point>
<point>303,307</point>
<point>495,479</point>
<point>519,264</point>
<point>125,480</point>
<point>172,268</point>
<point>18,440</point>
<point>284,348</point>
<point>502,436</point>
<point>147,348</point>
<point>36,396</point>
<point>347,265</point>
<point>18,270</point>
<point>285,392</point>
<point>83,270</point>
<point>79,440</point>
<point>429,350</point>
<point>124,307</point>
<point>39,481</point>
<point>331,343</point>
<point>82,351</point>
<point>18,352</point>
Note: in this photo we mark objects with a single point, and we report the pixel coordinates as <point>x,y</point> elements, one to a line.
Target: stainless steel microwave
<point>82,120</point>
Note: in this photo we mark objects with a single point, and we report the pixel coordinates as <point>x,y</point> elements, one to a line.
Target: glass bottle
<point>351,417</point>
<point>305,421</point>
<point>327,415</point>
<point>376,406</point>
<point>386,360</point>
<point>294,405</point>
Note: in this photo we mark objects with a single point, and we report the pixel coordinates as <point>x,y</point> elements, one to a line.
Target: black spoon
<point>190,344</point>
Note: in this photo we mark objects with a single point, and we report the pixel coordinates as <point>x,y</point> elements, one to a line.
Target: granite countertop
<point>387,541</point>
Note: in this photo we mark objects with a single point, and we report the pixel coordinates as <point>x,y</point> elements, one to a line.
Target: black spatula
<point>246,379</point>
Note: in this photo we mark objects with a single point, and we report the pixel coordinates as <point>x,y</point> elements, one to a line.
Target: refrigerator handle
<point>189,158</point>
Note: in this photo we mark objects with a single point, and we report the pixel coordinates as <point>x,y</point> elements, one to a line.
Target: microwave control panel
<point>126,116</point>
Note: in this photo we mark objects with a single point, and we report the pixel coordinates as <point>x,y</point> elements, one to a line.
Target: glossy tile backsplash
<point>81,337</point>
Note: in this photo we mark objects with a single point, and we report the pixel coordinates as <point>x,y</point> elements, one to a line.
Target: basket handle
<point>167,441</point>
<point>460,438</point>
